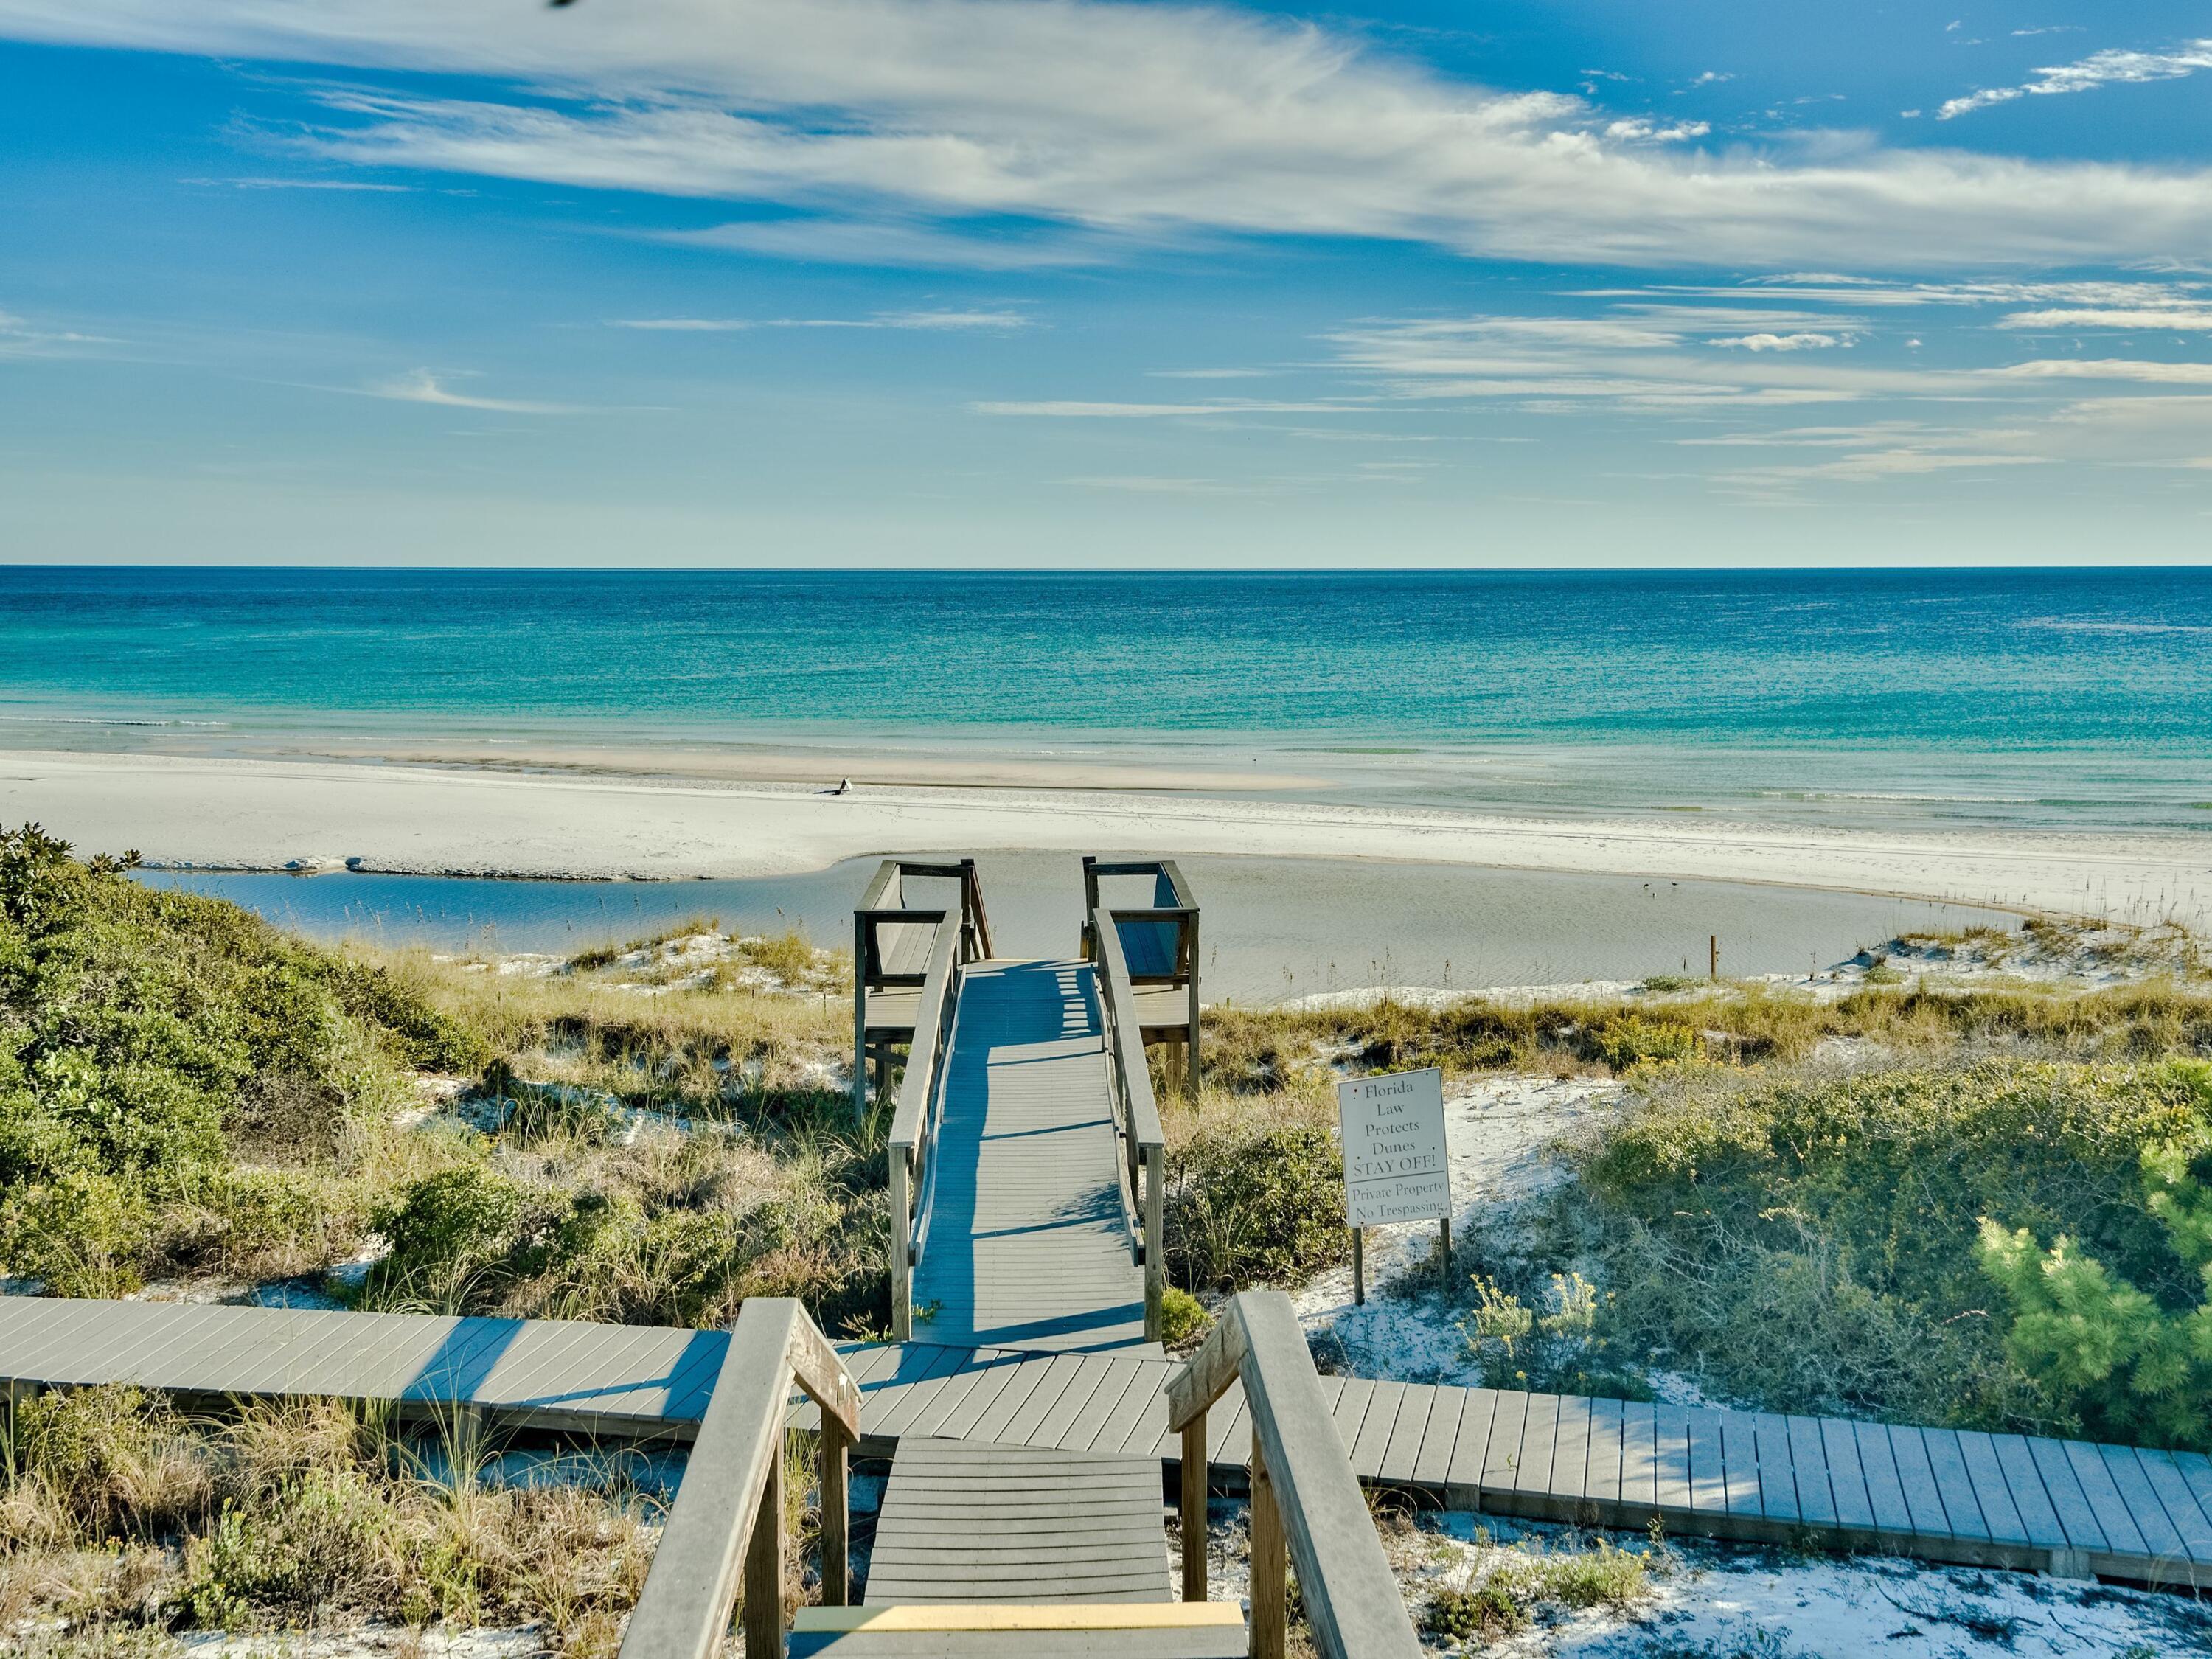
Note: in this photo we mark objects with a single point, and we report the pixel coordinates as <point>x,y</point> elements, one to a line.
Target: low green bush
<point>2133,1367</point>
<point>148,1040</point>
<point>1253,1204</point>
<point>1816,1245</point>
<point>1183,1317</point>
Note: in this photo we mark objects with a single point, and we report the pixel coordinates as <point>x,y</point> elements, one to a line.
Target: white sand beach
<point>185,812</point>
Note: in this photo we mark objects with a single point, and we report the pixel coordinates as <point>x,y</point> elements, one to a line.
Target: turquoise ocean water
<point>2066,698</point>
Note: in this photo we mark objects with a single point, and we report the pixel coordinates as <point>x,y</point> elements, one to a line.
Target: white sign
<point>1395,1167</point>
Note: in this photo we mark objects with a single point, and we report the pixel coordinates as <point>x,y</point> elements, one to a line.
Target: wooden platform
<point>1024,1239</point>
<point>1995,1500</point>
<point>975,1520</point>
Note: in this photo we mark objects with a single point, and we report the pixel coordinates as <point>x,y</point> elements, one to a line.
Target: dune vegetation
<point>1981,1202</point>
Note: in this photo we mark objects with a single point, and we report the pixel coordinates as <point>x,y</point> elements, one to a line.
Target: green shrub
<point>1183,1317</point>
<point>324,1538</point>
<point>1628,1040</point>
<point>1254,1205</point>
<point>1814,1245</point>
<point>146,1040</point>
<point>2133,1369</point>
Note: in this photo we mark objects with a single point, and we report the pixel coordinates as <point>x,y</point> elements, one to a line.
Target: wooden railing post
<point>1194,1509</point>
<point>860,1019</point>
<point>836,1513</point>
<point>1271,1559</point>
<point>901,1246</point>
<point>763,1615</point>
<point>1156,1267</point>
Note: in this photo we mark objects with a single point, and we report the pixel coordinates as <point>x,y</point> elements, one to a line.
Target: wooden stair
<point>984,1549</point>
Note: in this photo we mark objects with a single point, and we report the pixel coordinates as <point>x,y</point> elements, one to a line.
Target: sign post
<point>1396,1168</point>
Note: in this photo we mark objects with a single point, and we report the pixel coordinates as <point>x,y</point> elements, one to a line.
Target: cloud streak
<point>1026,133</point>
<point>2101,68</point>
<point>424,385</point>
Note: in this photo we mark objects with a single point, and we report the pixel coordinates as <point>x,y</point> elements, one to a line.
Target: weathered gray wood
<point>1353,1604</point>
<point>1269,1560</point>
<point>1886,1493</point>
<point>1775,1474</point>
<point>2038,1517</point>
<point>1191,1509</point>
<point>2077,1518</point>
<point>1199,1384</point>
<point>1406,1435</point>
<point>1373,1439</point>
<point>1808,1463</point>
<point>1639,1455</point>
<point>655,1382</point>
<point>1601,1481</point>
<point>966,1521</point>
<point>2190,1523</point>
<point>1025,1240</point>
<point>2160,1534</point>
<point>1847,1483</point>
<point>1960,1507</point>
<point>728,1508</point>
<point>1986,1475</point>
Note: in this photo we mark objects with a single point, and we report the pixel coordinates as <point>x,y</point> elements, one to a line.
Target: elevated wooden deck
<point>1024,1242</point>
<point>2064,1506</point>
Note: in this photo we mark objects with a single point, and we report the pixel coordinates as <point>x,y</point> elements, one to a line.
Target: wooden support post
<point>1444,1242</point>
<point>1271,1563</point>
<point>1359,1266</point>
<point>859,1021</point>
<point>1713,946</point>
<point>763,1615</point>
<point>836,1514</point>
<point>1190,1057</point>
<point>1194,1509</point>
<point>902,1204</point>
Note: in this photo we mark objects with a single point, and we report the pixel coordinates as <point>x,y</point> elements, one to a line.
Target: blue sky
<point>1049,282</point>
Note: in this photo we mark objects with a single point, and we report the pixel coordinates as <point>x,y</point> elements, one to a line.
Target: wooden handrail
<point>727,1522</point>
<point>1172,902</point>
<point>975,920</point>
<point>913,1123</point>
<point>1306,1508</point>
<point>1137,1114</point>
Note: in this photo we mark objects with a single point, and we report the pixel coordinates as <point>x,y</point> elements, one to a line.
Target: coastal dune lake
<point>1272,928</point>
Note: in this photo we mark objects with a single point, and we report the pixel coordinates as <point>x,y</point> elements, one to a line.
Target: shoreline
<point>192,813</point>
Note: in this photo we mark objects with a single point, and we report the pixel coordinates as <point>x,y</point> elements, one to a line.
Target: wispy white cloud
<point>925,131</point>
<point>2189,317</point>
<point>1804,341</point>
<point>2098,69</point>
<point>21,337</point>
<point>424,385</point>
<point>2108,368</point>
<point>925,321</point>
<point>1068,408</point>
<point>358,185</point>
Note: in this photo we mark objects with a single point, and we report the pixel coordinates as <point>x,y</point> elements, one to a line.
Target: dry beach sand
<point>240,814</point>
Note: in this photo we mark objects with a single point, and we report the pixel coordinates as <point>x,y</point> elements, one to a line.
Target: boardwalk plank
<point>1376,1428</point>
<point>1774,1458</point>
<point>1639,1453</point>
<point>1413,1426</point>
<point>1885,1477</point>
<point>1916,1473</point>
<point>2077,1518</point>
<point>1675,1459</point>
<point>2160,1538</point>
<point>2188,1523</point>
<point>1991,1491</point>
<point>1570,1451</point>
<point>1739,1465</point>
<point>1602,1483</point>
<point>1452,1453</point>
<point>1532,1472</point>
<point>1847,1483</point>
<point>1501,1463</point>
<point>2105,1499</point>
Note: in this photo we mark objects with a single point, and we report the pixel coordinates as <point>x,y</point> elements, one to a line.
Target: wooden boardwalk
<point>1995,1500</point>
<point>1024,1240</point>
<point>967,1521</point>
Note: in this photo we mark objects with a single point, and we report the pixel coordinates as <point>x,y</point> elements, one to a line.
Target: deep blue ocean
<point>2066,697</point>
